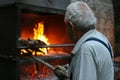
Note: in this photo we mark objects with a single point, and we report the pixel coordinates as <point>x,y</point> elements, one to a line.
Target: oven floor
<point>50,77</point>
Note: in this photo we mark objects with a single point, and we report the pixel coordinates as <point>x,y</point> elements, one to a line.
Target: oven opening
<point>43,35</point>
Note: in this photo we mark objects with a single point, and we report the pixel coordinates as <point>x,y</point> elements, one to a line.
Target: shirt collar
<point>82,39</point>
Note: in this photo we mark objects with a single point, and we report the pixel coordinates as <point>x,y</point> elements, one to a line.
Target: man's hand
<point>60,72</point>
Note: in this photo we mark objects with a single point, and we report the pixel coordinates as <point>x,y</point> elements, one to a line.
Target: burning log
<point>23,44</point>
<point>35,45</point>
<point>30,44</point>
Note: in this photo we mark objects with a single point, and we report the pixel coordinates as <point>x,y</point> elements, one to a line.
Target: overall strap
<point>98,40</point>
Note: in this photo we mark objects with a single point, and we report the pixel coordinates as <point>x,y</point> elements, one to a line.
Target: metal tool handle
<point>43,62</point>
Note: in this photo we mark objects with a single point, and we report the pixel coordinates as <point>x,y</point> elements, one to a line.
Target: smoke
<point>75,0</point>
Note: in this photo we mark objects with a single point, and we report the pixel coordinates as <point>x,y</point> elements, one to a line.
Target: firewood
<point>22,42</point>
<point>33,43</point>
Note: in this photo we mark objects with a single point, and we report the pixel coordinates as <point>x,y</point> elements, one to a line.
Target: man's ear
<point>72,25</point>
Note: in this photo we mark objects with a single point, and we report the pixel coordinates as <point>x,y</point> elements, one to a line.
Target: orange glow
<point>23,51</point>
<point>39,35</point>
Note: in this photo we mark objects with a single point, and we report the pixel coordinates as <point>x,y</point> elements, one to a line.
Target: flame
<point>39,34</point>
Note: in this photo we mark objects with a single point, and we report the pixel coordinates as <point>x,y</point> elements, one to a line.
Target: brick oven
<point>50,26</point>
<point>26,19</point>
<point>43,21</point>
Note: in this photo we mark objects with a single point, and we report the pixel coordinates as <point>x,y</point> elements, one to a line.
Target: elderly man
<point>92,54</point>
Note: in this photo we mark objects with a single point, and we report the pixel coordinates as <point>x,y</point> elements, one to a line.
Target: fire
<point>39,34</point>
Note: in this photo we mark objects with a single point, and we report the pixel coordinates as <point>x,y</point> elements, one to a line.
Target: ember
<point>30,70</point>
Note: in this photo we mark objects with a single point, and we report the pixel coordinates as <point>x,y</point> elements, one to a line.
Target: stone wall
<point>116,4</point>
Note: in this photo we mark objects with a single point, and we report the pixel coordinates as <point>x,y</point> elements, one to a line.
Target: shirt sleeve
<point>85,68</point>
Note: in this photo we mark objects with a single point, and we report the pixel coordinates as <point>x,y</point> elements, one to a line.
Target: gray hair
<point>81,16</point>
<point>75,0</point>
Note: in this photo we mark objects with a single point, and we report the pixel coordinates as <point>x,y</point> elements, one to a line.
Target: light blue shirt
<point>91,60</point>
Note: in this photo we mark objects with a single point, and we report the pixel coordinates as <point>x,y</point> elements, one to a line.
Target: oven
<point>35,28</point>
